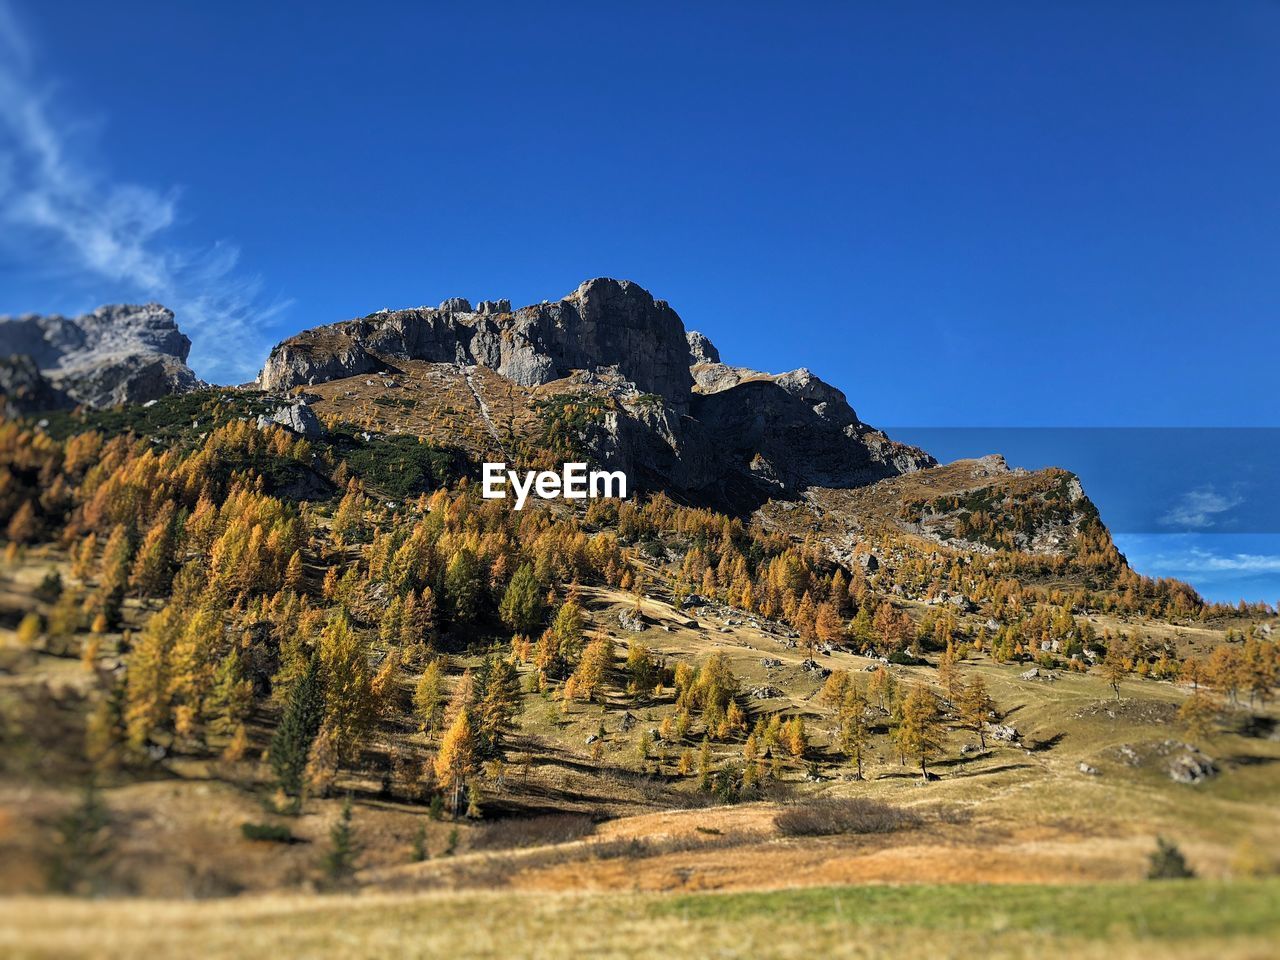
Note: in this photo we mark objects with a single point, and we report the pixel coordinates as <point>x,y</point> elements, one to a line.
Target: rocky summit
<point>604,323</point>
<point>674,416</point>
<point>116,354</point>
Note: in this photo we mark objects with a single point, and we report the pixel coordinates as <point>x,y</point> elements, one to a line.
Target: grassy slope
<point>1171,919</point>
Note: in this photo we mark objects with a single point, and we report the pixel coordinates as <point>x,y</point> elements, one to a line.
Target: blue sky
<point>972,214</point>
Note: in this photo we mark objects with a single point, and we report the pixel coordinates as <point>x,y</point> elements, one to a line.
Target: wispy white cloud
<point>1200,509</point>
<point>1203,561</point>
<point>114,232</point>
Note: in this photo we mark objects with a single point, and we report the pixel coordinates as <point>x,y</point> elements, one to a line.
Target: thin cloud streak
<point>114,231</point>
<point>1200,509</point>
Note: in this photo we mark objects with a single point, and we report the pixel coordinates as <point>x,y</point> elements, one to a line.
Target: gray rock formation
<point>23,389</point>
<point>701,350</point>
<point>682,419</point>
<point>604,323</point>
<point>298,417</point>
<point>116,354</point>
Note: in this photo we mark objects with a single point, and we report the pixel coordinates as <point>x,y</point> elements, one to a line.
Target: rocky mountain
<point>674,416</point>
<point>116,354</point>
<point>602,324</point>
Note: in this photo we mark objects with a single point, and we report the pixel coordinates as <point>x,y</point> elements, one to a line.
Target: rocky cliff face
<point>604,323</point>
<point>116,354</point>
<point>682,420</point>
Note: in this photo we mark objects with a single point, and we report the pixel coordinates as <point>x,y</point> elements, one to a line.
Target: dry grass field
<point>1178,919</point>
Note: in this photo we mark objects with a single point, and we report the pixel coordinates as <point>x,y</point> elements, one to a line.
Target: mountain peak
<point>118,353</point>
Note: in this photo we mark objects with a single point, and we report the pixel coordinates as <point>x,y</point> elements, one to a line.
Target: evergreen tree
<point>339,862</point>
<point>496,692</point>
<point>522,608</point>
<point>462,585</point>
<point>82,845</point>
<point>291,743</point>
<point>1166,862</point>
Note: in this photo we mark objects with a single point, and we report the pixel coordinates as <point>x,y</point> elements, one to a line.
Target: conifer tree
<point>153,567</point>
<point>428,696</point>
<point>456,759</point>
<point>231,696</point>
<point>462,585</point>
<point>918,731</point>
<point>349,705</point>
<point>1115,665</point>
<point>827,625</point>
<point>1198,714</point>
<point>855,732</point>
<point>496,693</point>
<point>293,572</point>
<point>24,525</point>
<point>948,678</point>
<point>291,743</point>
<point>521,608</point>
<point>975,707</point>
<point>339,862</point>
<point>322,763</point>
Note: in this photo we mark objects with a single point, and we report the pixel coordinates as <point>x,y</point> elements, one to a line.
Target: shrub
<point>268,832</point>
<point>1167,862</point>
<point>902,658</point>
<point>835,815</point>
<point>50,588</point>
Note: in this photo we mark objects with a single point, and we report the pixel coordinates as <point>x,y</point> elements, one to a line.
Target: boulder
<point>631,620</point>
<point>1002,732</point>
<point>1191,766</point>
<point>812,666</point>
<point>298,417</point>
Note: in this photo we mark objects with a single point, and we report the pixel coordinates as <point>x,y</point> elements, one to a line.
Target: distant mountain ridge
<point>115,354</point>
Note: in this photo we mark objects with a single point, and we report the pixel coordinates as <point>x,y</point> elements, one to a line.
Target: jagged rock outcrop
<point>794,430</point>
<point>604,323</point>
<point>116,354</point>
<point>738,438</point>
<point>23,389</point>
<point>701,350</point>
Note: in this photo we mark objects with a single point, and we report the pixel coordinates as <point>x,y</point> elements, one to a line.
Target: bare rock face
<point>24,389</point>
<point>116,354</point>
<point>701,350</point>
<point>803,430</point>
<point>604,323</point>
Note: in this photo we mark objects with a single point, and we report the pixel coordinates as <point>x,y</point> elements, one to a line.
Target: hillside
<point>800,655</point>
